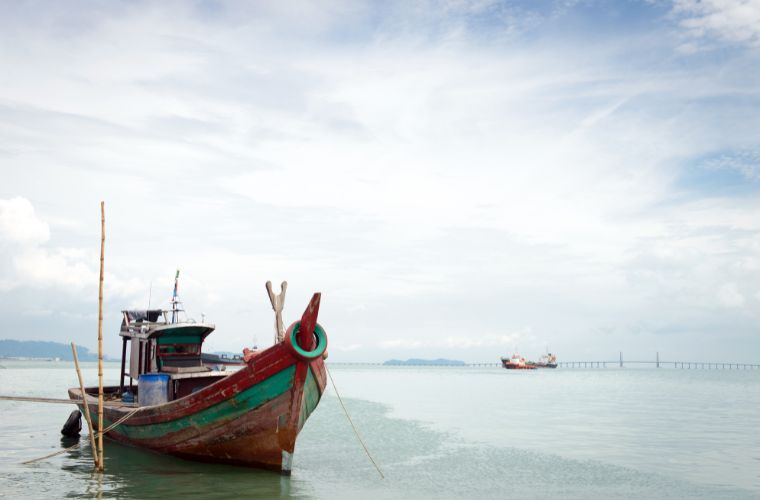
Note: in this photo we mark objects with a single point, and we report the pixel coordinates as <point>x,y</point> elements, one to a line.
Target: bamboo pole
<point>100,336</point>
<point>86,406</point>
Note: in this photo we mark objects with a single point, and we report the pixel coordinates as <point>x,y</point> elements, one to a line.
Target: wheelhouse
<point>158,344</point>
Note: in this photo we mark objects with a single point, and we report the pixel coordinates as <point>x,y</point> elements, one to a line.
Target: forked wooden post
<point>86,406</point>
<point>278,302</point>
<point>100,337</point>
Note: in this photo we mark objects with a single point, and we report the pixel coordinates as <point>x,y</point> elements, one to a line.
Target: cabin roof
<point>153,323</point>
<point>149,315</point>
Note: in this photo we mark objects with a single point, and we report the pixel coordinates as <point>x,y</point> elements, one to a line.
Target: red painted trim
<point>263,366</point>
<point>255,438</point>
<point>318,369</point>
<point>308,322</point>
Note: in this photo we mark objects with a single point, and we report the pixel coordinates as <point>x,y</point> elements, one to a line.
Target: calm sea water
<point>436,433</point>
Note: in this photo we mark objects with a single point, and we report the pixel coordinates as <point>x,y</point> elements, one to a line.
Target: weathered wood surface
<point>278,303</point>
<point>251,417</point>
<point>305,337</point>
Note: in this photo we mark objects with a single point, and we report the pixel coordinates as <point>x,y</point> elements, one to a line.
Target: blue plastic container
<point>153,389</point>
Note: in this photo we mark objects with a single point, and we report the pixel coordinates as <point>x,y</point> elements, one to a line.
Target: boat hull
<point>251,417</point>
<point>510,365</point>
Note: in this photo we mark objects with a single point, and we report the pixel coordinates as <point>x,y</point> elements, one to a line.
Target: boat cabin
<point>158,343</point>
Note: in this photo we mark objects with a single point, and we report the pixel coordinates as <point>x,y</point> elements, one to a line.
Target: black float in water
<point>73,424</point>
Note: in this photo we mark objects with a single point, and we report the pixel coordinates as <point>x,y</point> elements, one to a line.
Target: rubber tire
<point>291,335</point>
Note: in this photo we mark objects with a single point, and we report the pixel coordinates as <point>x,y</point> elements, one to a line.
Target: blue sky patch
<point>723,173</point>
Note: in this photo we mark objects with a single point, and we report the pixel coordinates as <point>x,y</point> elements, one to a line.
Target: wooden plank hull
<point>250,418</point>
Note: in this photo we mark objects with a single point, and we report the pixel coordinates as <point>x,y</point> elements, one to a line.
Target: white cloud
<point>30,261</point>
<point>746,163</point>
<point>400,344</point>
<point>20,224</point>
<point>346,348</point>
<point>730,296</point>
<point>38,267</point>
<point>469,342</point>
<point>735,21</point>
<point>408,169</point>
<point>461,341</point>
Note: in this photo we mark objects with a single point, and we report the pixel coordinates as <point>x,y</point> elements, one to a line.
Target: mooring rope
<point>107,429</point>
<point>75,445</point>
<point>361,441</point>
<point>122,419</point>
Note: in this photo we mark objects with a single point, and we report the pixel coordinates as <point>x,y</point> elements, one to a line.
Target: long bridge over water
<point>618,363</point>
<point>658,363</point>
<point>655,363</point>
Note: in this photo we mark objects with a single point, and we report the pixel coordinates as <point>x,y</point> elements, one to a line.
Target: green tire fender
<point>291,338</point>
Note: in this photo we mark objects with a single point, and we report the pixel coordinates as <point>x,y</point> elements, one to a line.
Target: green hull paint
<point>246,401</point>
<point>311,398</point>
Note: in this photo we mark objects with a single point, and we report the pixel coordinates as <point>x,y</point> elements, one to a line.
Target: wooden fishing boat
<point>249,417</point>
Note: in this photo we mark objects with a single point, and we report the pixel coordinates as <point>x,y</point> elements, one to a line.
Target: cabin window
<point>179,350</point>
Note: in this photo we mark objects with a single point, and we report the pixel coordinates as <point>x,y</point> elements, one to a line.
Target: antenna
<point>150,293</point>
<point>175,300</point>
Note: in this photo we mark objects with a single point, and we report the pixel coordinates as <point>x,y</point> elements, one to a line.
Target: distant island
<point>425,362</point>
<point>37,349</point>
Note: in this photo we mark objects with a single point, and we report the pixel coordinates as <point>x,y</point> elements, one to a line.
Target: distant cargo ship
<point>516,362</point>
<point>548,360</point>
<point>210,359</point>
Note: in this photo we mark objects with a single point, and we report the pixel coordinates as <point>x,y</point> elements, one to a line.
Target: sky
<point>460,179</point>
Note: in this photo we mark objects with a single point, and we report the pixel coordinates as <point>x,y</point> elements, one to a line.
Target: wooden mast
<point>100,337</point>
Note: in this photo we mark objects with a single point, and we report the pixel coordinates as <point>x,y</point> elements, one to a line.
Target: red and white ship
<point>516,362</point>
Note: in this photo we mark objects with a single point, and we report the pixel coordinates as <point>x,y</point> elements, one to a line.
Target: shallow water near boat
<point>436,433</point>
